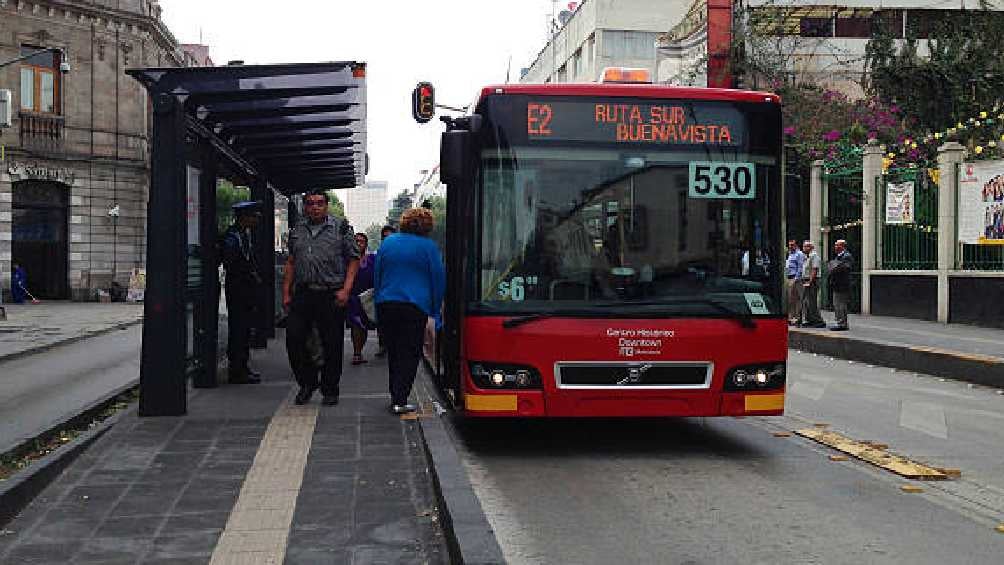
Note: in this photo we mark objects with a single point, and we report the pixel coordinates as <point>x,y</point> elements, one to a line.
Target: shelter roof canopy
<point>283,120</point>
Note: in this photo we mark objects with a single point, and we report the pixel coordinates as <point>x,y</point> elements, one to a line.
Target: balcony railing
<point>42,132</point>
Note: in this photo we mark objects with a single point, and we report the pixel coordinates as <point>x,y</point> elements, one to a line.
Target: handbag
<point>367,301</point>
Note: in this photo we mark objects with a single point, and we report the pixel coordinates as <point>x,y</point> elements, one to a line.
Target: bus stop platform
<point>245,477</point>
<point>961,352</point>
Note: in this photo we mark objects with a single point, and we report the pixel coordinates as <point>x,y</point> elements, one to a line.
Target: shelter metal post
<point>268,276</point>
<point>264,323</point>
<point>162,370</point>
<point>207,326</point>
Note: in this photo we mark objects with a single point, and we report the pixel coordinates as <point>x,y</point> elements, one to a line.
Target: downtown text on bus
<point>614,250</point>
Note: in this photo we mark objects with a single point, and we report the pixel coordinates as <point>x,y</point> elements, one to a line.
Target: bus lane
<point>698,490</point>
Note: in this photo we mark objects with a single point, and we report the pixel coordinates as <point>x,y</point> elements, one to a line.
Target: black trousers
<point>240,319</point>
<point>309,309</point>
<point>403,327</point>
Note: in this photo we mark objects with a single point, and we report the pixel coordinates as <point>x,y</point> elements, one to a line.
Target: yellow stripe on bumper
<point>490,402</point>
<point>756,403</point>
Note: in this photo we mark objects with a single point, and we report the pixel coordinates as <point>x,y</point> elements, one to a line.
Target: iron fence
<point>909,236</point>
<point>842,220</point>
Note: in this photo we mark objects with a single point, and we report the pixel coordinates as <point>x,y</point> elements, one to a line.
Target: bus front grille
<point>678,375</point>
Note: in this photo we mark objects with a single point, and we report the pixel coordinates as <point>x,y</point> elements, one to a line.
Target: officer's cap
<point>247,208</point>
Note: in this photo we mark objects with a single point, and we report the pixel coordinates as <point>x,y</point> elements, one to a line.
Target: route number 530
<point>717,179</point>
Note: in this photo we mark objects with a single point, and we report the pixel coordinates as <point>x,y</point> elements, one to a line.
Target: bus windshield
<point>623,219</point>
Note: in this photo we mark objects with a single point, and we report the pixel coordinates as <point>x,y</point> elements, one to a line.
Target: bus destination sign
<point>670,123</point>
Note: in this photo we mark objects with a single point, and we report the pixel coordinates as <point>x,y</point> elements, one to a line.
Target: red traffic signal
<point>423,102</point>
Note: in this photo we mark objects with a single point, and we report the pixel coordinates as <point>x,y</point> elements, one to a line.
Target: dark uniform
<point>243,288</point>
<point>321,256</point>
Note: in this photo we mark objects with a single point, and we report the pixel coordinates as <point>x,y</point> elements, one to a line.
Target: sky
<point>458,45</point>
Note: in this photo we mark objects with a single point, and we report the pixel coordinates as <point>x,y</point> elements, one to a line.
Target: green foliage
<point>962,75</point>
<point>335,206</point>
<point>402,202</point>
<point>373,236</point>
<point>438,206</point>
<point>226,196</point>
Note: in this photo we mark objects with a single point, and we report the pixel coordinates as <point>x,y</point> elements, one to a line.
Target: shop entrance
<point>39,243</point>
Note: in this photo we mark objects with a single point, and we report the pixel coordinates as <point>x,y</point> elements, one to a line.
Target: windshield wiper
<point>745,320</point>
<point>520,320</point>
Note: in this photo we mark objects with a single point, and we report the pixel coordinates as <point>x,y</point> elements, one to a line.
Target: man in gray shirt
<point>322,265</point>
<point>810,279</point>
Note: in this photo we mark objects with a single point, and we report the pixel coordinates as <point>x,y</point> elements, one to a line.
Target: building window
<point>580,64</point>
<point>816,27</point>
<point>40,81</point>
<point>854,23</point>
<point>890,21</point>
<point>629,44</point>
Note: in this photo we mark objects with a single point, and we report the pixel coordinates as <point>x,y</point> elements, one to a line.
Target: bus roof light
<point>626,75</point>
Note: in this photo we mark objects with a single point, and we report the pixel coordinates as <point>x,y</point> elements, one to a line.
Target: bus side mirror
<point>454,154</point>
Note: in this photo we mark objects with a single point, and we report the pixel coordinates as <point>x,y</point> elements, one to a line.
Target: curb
<point>17,492</point>
<point>67,341</point>
<point>968,367</point>
<point>469,536</point>
<point>65,419</point>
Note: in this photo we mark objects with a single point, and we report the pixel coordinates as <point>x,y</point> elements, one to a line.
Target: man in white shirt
<point>810,281</point>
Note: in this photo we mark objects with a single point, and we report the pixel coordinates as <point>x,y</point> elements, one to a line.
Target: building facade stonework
<point>74,179</point>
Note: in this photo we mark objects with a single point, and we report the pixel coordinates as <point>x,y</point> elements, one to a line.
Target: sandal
<point>358,360</point>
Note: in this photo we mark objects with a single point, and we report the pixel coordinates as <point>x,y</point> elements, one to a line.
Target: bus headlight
<point>739,378</point>
<point>765,376</point>
<point>504,376</point>
<point>498,378</point>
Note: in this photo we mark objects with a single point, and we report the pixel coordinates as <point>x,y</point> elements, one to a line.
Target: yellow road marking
<point>911,488</point>
<point>490,402</point>
<point>878,457</point>
<point>1000,528</point>
<point>838,458</point>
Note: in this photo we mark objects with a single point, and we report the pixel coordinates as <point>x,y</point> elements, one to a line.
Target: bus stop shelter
<point>285,129</point>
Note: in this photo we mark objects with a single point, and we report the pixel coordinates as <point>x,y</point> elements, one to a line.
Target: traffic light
<point>423,102</point>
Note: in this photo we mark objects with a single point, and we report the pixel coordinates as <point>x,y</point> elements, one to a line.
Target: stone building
<point>75,175</point>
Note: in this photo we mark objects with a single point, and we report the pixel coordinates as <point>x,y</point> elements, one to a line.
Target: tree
<point>402,202</point>
<point>373,236</point>
<point>962,75</point>
<point>335,206</point>
<point>438,206</point>
<point>226,196</point>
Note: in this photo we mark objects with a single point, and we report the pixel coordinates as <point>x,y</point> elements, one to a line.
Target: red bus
<point>614,250</point>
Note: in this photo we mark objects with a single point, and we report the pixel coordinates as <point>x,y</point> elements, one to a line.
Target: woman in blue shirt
<point>410,281</point>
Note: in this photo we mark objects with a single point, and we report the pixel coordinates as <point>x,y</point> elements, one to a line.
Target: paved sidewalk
<point>957,351</point>
<point>35,327</point>
<point>246,477</point>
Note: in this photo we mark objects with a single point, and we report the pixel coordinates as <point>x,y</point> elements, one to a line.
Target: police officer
<point>243,287</point>
<point>317,281</point>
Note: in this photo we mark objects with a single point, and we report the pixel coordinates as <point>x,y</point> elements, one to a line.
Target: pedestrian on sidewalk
<point>793,282</point>
<point>19,284</point>
<point>810,287</point>
<point>410,281</point>
<point>243,290</point>
<point>386,232</point>
<point>840,283</point>
<point>317,282</point>
<point>359,324</point>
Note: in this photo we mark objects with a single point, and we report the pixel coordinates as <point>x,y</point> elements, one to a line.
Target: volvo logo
<point>634,375</point>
